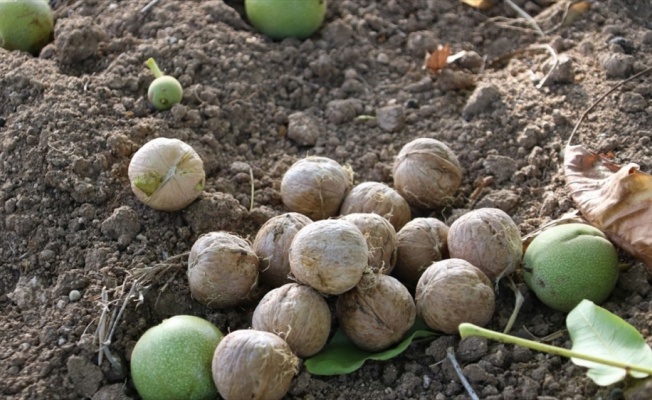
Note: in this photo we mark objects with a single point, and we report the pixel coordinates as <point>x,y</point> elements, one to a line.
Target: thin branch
<point>149,6</point>
<point>458,370</point>
<point>527,16</point>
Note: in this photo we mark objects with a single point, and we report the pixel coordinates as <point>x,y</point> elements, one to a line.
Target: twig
<point>149,6</point>
<point>517,306</point>
<point>555,63</point>
<point>525,15</point>
<point>458,370</point>
<point>251,176</point>
<point>595,103</point>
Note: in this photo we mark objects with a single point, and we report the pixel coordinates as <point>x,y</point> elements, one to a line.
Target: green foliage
<point>341,356</point>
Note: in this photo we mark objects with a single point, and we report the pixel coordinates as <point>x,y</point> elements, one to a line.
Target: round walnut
<point>421,242</point>
<point>222,270</point>
<point>375,318</point>
<point>251,364</point>
<point>381,240</point>
<point>453,291</point>
<point>427,173</point>
<point>489,239</point>
<point>298,314</point>
<point>272,244</point>
<point>377,198</point>
<point>315,187</point>
<point>329,255</point>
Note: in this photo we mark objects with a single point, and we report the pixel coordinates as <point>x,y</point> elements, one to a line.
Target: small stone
<point>84,375</point>
<point>563,73</point>
<point>632,102</point>
<point>502,167</point>
<point>74,295</point>
<point>481,100</point>
<point>391,118</point>
<point>303,129</point>
<point>421,42</point>
<point>472,349</point>
<point>123,222</point>
<point>625,44</point>
<point>340,111</point>
<point>617,65</point>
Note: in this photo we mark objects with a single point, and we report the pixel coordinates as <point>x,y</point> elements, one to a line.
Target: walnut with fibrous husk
<point>421,242</point>
<point>222,270</point>
<point>272,244</point>
<point>315,187</point>
<point>329,255</point>
<point>252,364</point>
<point>377,198</point>
<point>427,173</point>
<point>378,316</point>
<point>489,239</point>
<point>381,240</point>
<point>453,291</point>
<point>298,314</point>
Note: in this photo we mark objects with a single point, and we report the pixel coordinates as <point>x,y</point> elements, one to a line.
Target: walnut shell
<point>315,187</point>
<point>329,255</point>
<point>381,240</point>
<point>427,173</point>
<point>489,239</point>
<point>421,242</point>
<point>253,365</point>
<point>272,244</point>
<point>298,314</point>
<point>374,318</point>
<point>222,270</point>
<point>377,198</point>
<point>453,291</point>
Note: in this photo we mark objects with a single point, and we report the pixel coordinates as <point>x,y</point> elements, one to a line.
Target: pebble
<point>632,102</point>
<point>563,72</point>
<point>391,118</point>
<point>340,111</point>
<point>618,65</point>
<point>502,167</point>
<point>472,349</point>
<point>481,100</point>
<point>303,129</point>
<point>74,295</point>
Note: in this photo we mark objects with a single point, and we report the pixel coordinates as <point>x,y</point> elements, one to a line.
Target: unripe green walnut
<point>280,19</point>
<point>165,91</point>
<point>568,263</point>
<point>25,25</point>
<point>173,360</point>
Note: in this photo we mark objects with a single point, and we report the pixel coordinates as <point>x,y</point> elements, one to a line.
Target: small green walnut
<point>280,19</point>
<point>165,91</point>
<point>25,25</point>
<point>172,360</point>
<point>568,263</point>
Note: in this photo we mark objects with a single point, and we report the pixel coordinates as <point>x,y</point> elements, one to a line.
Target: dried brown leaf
<point>438,59</point>
<point>481,4</point>
<point>615,199</point>
<point>575,11</point>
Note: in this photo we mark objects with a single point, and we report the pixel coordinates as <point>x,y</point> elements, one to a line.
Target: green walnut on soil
<point>25,25</point>
<point>173,360</point>
<point>568,263</point>
<point>280,19</point>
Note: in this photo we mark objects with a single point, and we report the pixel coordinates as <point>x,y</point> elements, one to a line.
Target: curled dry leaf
<point>615,199</point>
<point>481,4</point>
<point>438,59</point>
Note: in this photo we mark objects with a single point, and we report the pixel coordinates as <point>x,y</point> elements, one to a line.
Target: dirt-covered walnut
<point>453,291</point>
<point>298,314</point>
<point>315,187</point>
<point>222,270</point>
<point>272,244</point>
<point>427,173</point>
<point>487,238</point>
<point>381,240</point>
<point>329,255</point>
<point>421,242</point>
<point>377,198</point>
<point>376,317</point>
<point>252,364</point>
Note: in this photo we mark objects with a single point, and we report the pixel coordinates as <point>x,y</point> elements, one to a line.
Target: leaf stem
<point>467,329</point>
<point>151,64</point>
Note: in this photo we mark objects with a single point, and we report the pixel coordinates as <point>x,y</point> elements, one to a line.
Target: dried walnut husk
<point>453,291</point>
<point>381,240</point>
<point>376,317</point>
<point>166,174</point>
<point>329,255</point>
<point>489,239</point>
<point>272,244</point>
<point>253,365</point>
<point>377,198</point>
<point>315,187</point>
<point>427,173</point>
<point>222,270</point>
<point>421,242</point>
<point>298,314</point>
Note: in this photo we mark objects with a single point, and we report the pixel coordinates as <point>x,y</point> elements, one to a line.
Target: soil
<point>74,237</point>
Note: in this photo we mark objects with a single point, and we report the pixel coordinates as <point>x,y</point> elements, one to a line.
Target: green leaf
<point>596,331</point>
<point>341,356</point>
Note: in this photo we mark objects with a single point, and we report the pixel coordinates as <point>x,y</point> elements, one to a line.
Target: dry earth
<point>71,118</point>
